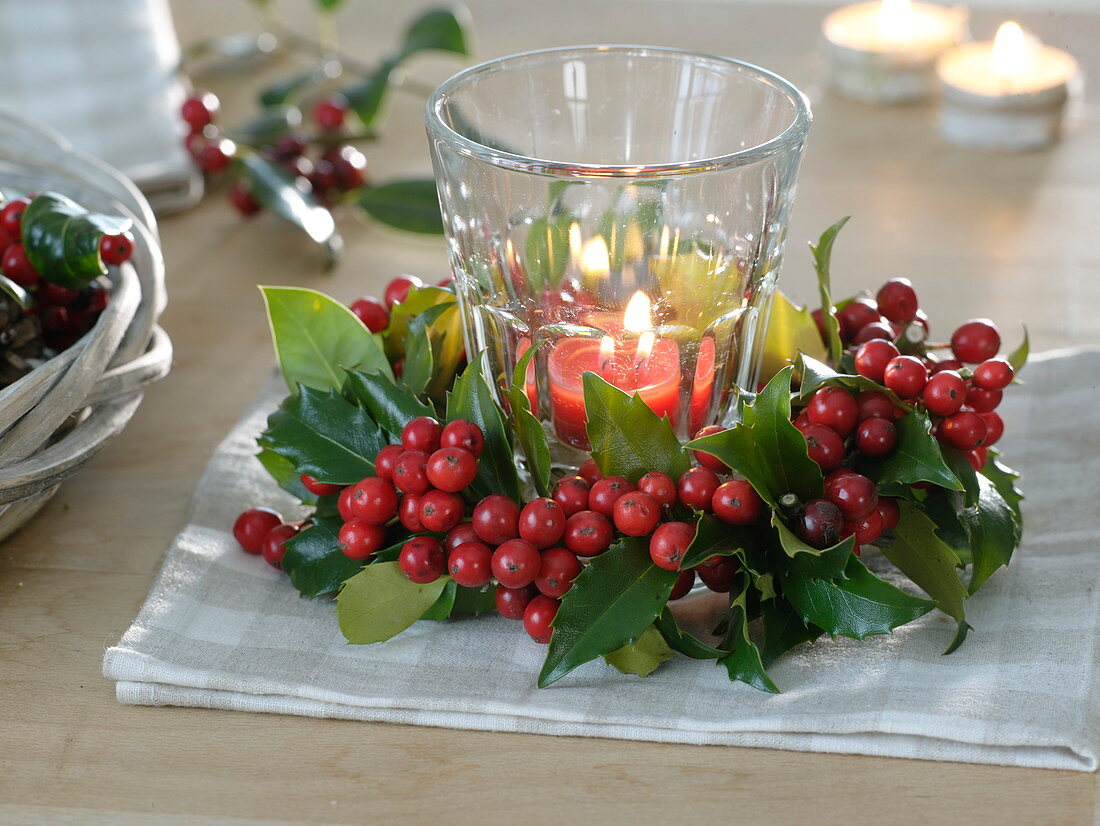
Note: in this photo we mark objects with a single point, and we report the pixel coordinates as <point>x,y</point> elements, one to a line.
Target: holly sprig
<point>956,526</point>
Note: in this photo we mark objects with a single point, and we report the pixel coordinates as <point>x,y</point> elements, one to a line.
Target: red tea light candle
<point>702,389</point>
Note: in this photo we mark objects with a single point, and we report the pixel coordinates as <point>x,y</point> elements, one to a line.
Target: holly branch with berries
<point>866,434</point>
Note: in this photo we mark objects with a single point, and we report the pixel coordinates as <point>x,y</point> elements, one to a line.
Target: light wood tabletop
<point>1011,237</point>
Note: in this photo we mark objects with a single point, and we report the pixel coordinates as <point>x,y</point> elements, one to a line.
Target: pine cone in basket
<point>21,346</point>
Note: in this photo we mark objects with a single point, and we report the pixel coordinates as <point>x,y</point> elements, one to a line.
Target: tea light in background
<point>1010,93</point>
<point>886,52</point>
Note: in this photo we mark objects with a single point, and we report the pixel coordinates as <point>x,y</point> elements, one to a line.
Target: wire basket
<point>58,416</point>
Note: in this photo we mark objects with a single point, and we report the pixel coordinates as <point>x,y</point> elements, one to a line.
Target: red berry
<point>373,500</point>
<point>422,433</point>
<point>976,341</point>
<point>17,267</point>
<point>319,488</point>
<point>290,146</point>
<point>684,583</point>
<point>854,494</point>
<point>343,504</point>
<point>571,494</point>
<point>511,602</point>
<point>97,297</point>
<point>872,331</point>
<point>876,437</point>
<point>705,459</point>
<point>696,488</point>
<point>669,543</point>
<point>873,404</point>
<point>590,471</point>
<point>470,564</point>
<point>243,200</point>
<point>995,428</point>
<point>200,109</point>
<point>872,358</point>
<point>11,218</point>
<point>440,511</point>
<point>408,511</point>
<point>460,534</point>
<point>820,524</point>
<point>540,612</point>
<point>977,457</point>
<point>606,492</point>
<point>906,376</point>
<point>558,568</point>
<point>452,469</point>
<point>964,430</point>
<point>496,519</point>
<point>542,522</point>
<point>52,294</point>
<point>329,113</point>
<point>398,289</point>
<point>824,445</point>
<point>833,407</point>
<point>350,166</point>
<point>410,472</point>
<point>636,513</point>
<point>422,559</point>
<point>386,459</point>
<point>372,312</point>
<point>215,155</point>
<point>983,401</point>
<point>273,547</point>
<point>993,374</point>
<point>660,486</point>
<point>856,315</point>
<point>946,364</point>
<point>516,563</point>
<point>588,533</point>
<point>465,435</point>
<point>358,540</point>
<point>897,300</point>
<point>889,512</point>
<point>945,393</point>
<point>866,530</point>
<point>253,525</point>
<point>736,502</point>
<point>720,577</point>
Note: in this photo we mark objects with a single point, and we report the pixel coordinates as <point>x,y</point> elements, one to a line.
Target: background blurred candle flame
<point>1013,51</point>
<point>895,20</point>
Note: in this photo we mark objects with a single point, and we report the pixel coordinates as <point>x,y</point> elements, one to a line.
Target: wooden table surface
<point>1008,236</point>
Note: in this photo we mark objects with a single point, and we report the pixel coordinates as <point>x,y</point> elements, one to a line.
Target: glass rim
<point>789,138</point>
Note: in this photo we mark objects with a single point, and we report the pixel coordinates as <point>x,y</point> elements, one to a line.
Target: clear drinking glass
<point>624,209</point>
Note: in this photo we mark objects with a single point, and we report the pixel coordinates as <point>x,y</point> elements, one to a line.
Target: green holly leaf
<point>411,205</point>
<point>858,606</point>
<point>743,662</point>
<point>1004,480</point>
<point>612,601</point>
<point>680,640</point>
<point>918,457</point>
<point>437,308</point>
<point>438,29</point>
<point>919,553</point>
<point>547,250</point>
<point>420,352</point>
<point>280,92</point>
<point>783,630</point>
<point>808,561</point>
<point>628,439</point>
<point>530,433</point>
<point>992,529</point>
<point>390,404</point>
<point>472,399</point>
<point>316,338</point>
<point>816,375</point>
<point>458,600</point>
<point>441,609</point>
<point>737,447</point>
<point>282,471</point>
<point>713,537</point>
<point>380,602</point>
<point>314,561</point>
<point>963,471</point>
<point>961,631</point>
<point>277,191</point>
<point>272,123</point>
<point>641,656</point>
<point>1018,357</point>
<point>791,330</point>
<point>822,253</point>
<point>61,239</point>
<point>367,96</point>
<point>323,435</point>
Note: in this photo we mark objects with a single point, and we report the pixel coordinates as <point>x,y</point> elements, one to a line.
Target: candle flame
<point>575,245</point>
<point>594,257</point>
<point>895,20</point>
<point>1013,50</point>
<point>645,346</point>
<point>637,317</point>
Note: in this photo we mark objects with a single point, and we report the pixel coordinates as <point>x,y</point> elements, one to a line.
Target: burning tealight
<point>1010,93</point>
<point>886,52</point>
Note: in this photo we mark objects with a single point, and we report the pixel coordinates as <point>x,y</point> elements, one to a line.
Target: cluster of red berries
<point>375,313</point>
<point>64,314</point>
<point>961,399</point>
<point>337,167</point>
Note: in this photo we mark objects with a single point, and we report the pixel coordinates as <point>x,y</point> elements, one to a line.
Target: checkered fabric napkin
<point>220,629</point>
<point>102,73</point>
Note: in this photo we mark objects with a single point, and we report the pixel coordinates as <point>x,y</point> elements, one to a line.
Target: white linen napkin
<point>221,629</point>
<point>102,74</point>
